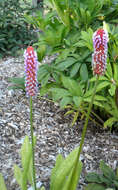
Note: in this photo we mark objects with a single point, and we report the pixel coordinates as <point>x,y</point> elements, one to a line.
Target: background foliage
<point>66,30</point>
<point>15,33</point>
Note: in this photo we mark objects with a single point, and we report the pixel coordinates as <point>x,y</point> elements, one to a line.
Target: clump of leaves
<point>62,172</point>
<point>23,175</point>
<point>107,179</point>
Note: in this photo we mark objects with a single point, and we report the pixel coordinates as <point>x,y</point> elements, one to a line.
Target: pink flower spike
<point>99,57</point>
<point>31,65</point>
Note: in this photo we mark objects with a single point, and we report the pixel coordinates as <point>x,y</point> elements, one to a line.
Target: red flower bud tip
<point>31,65</point>
<point>99,57</point>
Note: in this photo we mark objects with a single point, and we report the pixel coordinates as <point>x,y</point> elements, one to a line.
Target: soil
<point>52,129</point>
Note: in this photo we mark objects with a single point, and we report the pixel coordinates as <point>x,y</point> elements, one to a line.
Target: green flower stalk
<point>100,39</point>
<point>31,64</point>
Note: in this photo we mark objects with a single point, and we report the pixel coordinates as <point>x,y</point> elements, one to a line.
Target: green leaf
<point>112,90</point>
<point>63,171</point>
<point>69,184</point>
<point>75,69</point>
<point>26,158</point>
<point>94,186</point>
<point>73,87</point>
<point>59,93</point>
<point>42,188</point>
<point>65,101</point>
<point>84,72</point>
<point>109,71</point>
<point>100,98</point>
<point>59,161</point>
<point>107,171</point>
<point>93,177</point>
<point>77,100</point>
<point>93,79</point>
<point>18,175</point>
<point>2,183</point>
<point>18,83</point>
<point>65,64</point>
<point>76,114</point>
<point>45,79</point>
<point>102,85</point>
<point>69,112</point>
<point>109,122</point>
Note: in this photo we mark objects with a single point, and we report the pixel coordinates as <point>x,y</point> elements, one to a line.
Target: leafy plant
<point>62,172</point>
<point>107,179</point>
<point>24,175</point>
<point>15,33</point>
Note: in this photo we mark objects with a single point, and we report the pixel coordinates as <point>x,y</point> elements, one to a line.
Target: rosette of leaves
<point>108,179</point>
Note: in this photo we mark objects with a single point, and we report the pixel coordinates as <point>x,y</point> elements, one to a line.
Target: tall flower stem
<point>32,143</point>
<point>87,119</point>
<point>83,134</point>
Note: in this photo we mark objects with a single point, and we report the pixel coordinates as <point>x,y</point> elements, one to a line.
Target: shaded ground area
<point>53,131</point>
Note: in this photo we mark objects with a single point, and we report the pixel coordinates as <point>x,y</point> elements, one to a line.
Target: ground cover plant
<point>77,33</point>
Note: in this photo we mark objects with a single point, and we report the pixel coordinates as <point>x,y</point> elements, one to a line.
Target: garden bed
<point>53,131</point>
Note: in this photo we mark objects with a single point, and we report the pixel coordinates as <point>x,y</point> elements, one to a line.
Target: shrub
<point>15,33</point>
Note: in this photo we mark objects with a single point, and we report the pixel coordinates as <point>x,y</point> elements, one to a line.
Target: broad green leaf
<point>93,177</point>
<point>59,161</point>
<point>73,87</point>
<point>107,171</point>
<point>25,152</point>
<point>72,184</point>
<point>56,77</point>
<point>18,175</point>
<point>45,79</point>
<point>109,122</point>
<point>65,64</point>
<point>75,69</point>
<point>88,93</point>
<point>65,101</point>
<point>112,90</point>
<point>93,79</point>
<point>26,157</point>
<point>77,100</point>
<point>102,85</point>
<point>109,71</point>
<point>94,186</point>
<point>63,171</point>
<point>2,183</point>
<point>97,103</point>
<point>42,75</point>
<point>100,98</point>
<point>84,72</point>
<point>45,89</point>
<point>59,93</point>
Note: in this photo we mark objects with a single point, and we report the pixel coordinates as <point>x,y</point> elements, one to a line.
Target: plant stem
<point>83,134</point>
<point>87,119</point>
<point>32,142</point>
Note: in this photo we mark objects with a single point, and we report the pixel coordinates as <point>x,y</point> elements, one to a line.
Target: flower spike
<point>31,65</point>
<point>99,57</point>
